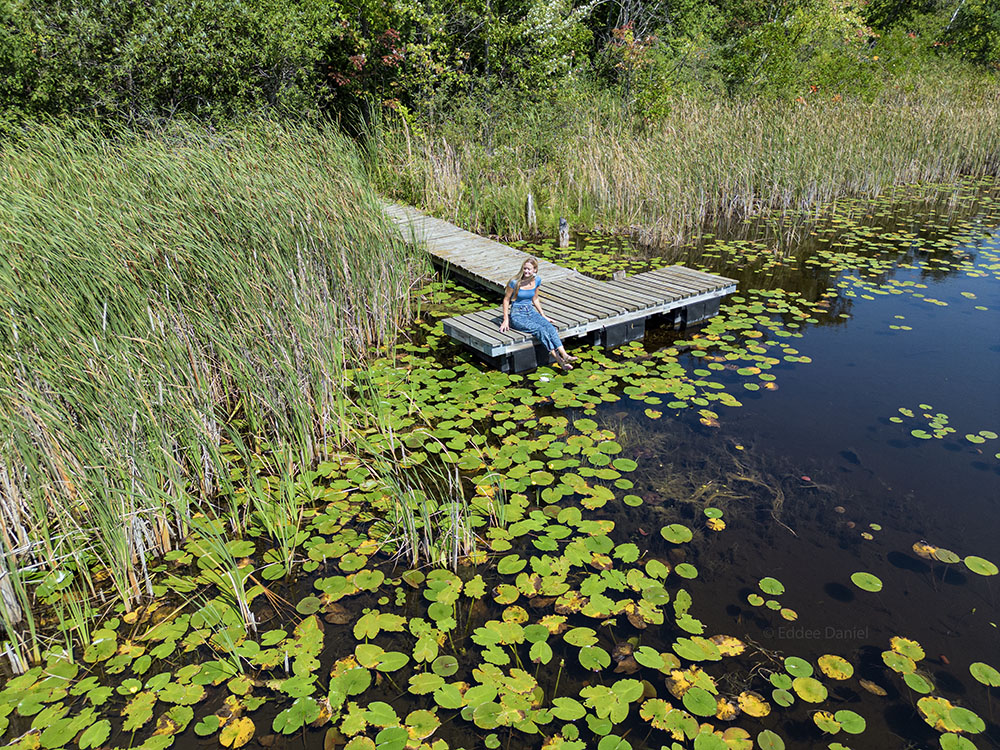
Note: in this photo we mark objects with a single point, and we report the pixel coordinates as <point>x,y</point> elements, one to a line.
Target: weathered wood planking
<point>576,304</point>
<point>581,306</point>
<point>470,256</point>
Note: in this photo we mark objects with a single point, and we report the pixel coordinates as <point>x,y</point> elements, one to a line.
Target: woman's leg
<point>550,338</point>
<point>531,322</point>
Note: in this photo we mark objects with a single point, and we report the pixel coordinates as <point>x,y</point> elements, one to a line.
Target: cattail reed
<point>160,294</point>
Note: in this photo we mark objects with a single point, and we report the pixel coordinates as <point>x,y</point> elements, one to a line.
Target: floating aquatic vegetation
<point>866,581</point>
<point>557,623</point>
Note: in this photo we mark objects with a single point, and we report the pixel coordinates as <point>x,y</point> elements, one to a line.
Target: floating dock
<point>610,312</point>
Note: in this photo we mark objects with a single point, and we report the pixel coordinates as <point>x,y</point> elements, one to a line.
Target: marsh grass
<point>161,294</point>
<point>591,160</point>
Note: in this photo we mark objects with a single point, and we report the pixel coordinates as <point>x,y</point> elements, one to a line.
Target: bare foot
<point>563,361</point>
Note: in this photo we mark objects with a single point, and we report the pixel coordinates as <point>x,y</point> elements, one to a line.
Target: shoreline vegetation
<point>168,298</point>
<point>598,164</point>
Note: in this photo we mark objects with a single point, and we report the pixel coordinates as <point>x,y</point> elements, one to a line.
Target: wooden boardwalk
<point>612,312</point>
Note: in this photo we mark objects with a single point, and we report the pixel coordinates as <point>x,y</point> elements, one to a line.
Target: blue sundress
<point>524,317</point>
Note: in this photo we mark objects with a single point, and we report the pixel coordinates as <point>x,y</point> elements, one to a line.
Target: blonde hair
<point>520,274</point>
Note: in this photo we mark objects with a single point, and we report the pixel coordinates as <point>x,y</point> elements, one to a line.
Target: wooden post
<point>529,215</point>
<point>563,233</point>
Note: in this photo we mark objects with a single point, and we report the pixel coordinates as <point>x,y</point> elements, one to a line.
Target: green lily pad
<point>445,666</point>
<point>809,689</point>
<point>206,726</point>
<point>58,733</point>
<point>580,637</point>
<point>594,658</point>
<point>686,570</point>
<point>946,556</point>
<point>783,681</point>
<point>710,741</point>
<point>867,581</point>
<point>309,605</point>
<point>771,586</point>
<point>510,565</point>
<point>567,709</point>
<point>797,667</point>
<point>782,697</point>
<point>97,734</point>
<point>676,533</point>
<point>898,663</point>
<point>850,722</point>
<point>919,682</point>
<point>303,710</point>
<point>980,566</point>
<point>956,742</point>
<point>966,720</point>
<point>391,738</point>
<point>768,740</point>
<point>699,701</point>
<point>613,742</point>
<point>985,674</point>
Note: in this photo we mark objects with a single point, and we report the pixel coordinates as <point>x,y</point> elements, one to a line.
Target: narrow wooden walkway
<point>613,312</point>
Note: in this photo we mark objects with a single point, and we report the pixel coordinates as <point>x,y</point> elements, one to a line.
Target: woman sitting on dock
<point>525,314</point>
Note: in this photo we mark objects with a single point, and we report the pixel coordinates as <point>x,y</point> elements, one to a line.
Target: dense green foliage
<point>221,60</point>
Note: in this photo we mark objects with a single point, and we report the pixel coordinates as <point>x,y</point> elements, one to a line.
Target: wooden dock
<point>610,312</point>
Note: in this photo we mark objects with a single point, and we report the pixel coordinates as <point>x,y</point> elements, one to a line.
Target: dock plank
<point>577,304</point>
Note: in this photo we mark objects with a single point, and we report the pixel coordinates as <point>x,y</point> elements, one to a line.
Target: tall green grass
<point>590,159</point>
<point>161,293</point>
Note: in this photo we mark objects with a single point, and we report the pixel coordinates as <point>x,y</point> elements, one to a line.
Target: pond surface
<point>778,529</point>
<point>845,442</point>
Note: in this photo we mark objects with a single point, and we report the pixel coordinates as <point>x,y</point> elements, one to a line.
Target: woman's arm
<point>506,308</point>
<point>537,302</point>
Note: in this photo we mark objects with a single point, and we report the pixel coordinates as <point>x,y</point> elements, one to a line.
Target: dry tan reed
<point>597,164</point>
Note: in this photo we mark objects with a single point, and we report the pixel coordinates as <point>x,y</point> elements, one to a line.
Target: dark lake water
<point>824,442</point>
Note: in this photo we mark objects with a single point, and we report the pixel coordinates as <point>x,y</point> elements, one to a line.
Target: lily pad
<point>676,533</point>
<point>771,586</point>
<point>985,674</point>
<point>699,701</point>
<point>850,722</point>
<point>686,570</point>
<point>835,667</point>
<point>966,720</point>
<point>809,689</point>
<point>768,740</point>
<point>826,722</point>
<point>980,566</point>
<point>898,663</point>
<point>796,666</point>
<point>907,647</point>
<point>237,732</point>
<point>445,666</point>
<point>919,682</point>
<point>867,581</point>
